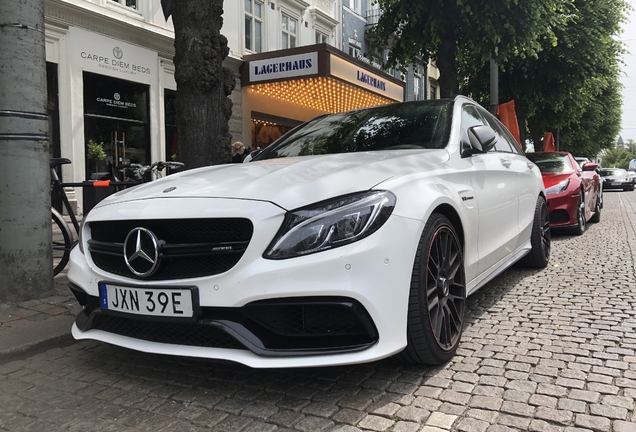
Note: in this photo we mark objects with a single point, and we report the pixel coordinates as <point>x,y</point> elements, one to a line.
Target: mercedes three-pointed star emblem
<point>141,252</point>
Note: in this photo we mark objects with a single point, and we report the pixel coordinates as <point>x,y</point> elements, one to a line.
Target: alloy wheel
<point>445,288</point>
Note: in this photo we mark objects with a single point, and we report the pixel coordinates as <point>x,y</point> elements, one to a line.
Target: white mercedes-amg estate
<point>354,237</point>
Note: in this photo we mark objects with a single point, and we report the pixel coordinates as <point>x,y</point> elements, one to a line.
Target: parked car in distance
<point>616,178</point>
<point>574,193</point>
<point>353,237</point>
<point>581,160</point>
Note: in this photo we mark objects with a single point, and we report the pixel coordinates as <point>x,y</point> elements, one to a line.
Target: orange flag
<point>508,117</point>
<point>548,142</point>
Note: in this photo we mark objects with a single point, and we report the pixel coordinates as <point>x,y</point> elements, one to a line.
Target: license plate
<point>616,184</point>
<point>161,302</point>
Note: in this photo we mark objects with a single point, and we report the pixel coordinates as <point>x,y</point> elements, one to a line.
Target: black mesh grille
<point>180,232</point>
<point>170,333</point>
<point>177,230</point>
<point>559,216</point>
<point>307,319</point>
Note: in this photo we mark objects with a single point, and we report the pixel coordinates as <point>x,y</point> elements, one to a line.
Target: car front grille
<point>189,248</point>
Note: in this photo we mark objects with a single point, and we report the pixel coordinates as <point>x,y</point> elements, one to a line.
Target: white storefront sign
<point>284,67</point>
<point>363,78</point>
<point>105,56</point>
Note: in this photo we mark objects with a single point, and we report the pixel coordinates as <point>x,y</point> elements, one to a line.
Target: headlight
<point>330,224</point>
<point>558,187</point>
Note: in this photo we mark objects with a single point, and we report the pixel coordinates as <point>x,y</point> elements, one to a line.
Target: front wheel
<point>579,229</point>
<point>62,242</point>
<point>596,218</point>
<point>540,238</point>
<point>437,299</point>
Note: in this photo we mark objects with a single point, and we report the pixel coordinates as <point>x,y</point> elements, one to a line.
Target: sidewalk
<point>37,324</point>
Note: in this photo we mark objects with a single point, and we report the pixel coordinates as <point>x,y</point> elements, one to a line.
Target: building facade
<point>111,84</point>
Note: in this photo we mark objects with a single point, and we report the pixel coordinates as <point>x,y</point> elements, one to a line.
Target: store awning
<point>319,77</point>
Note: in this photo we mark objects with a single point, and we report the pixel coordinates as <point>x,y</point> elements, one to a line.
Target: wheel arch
<point>452,215</point>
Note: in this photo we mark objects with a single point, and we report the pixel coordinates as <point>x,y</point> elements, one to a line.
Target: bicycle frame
<point>58,192</point>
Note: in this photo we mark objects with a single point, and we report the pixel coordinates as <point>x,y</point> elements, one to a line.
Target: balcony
<point>373,16</point>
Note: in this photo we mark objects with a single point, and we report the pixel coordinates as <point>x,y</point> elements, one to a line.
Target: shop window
<point>253,25</point>
<point>170,112</point>
<point>267,128</point>
<point>116,125</point>
<point>128,3</point>
<point>290,29</point>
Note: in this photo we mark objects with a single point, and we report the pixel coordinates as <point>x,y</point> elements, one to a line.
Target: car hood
<point>614,178</point>
<point>552,179</point>
<point>288,182</point>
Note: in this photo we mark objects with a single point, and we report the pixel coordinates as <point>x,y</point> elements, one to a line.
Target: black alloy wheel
<point>596,217</point>
<point>579,229</point>
<point>437,301</point>
<point>540,238</point>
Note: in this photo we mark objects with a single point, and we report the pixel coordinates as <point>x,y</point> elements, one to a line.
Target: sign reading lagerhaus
<point>102,55</point>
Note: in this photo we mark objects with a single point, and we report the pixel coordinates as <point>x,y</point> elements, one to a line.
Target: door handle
<point>530,165</point>
<point>505,162</point>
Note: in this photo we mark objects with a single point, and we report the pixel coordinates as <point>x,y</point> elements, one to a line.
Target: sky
<point>628,129</point>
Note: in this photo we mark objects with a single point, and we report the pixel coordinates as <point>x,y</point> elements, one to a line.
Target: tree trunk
<point>447,65</point>
<point>26,263</point>
<point>520,110</point>
<point>203,84</point>
<point>536,133</point>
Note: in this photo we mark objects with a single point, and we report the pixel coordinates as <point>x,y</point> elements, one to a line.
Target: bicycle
<point>62,237</point>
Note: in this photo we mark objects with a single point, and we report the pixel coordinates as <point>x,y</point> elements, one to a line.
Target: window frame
<point>286,34</point>
<point>253,19</point>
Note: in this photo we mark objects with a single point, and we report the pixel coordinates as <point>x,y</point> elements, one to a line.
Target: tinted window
<point>421,125</point>
<point>551,162</point>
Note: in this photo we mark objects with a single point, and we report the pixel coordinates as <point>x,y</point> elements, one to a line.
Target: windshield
<point>402,126</point>
<point>613,172</point>
<point>551,162</point>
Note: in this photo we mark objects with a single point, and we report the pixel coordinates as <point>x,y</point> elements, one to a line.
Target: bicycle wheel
<point>62,241</point>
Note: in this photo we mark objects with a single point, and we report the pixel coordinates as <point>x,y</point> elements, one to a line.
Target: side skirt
<point>497,269</point>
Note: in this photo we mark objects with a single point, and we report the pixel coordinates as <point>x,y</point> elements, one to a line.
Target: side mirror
<point>482,138</point>
<point>252,155</point>
<point>589,166</point>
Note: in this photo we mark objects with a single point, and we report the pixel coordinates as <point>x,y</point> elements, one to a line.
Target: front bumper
<point>618,185</point>
<point>356,295</point>
<point>562,209</point>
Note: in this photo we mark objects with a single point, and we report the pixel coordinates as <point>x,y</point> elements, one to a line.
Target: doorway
<point>116,125</point>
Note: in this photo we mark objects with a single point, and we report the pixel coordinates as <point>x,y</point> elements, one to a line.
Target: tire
<point>437,298</point>
<point>62,242</point>
<point>540,238</point>
<point>579,229</point>
<point>596,217</point>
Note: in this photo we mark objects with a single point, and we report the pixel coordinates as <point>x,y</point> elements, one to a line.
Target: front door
<point>112,142</point>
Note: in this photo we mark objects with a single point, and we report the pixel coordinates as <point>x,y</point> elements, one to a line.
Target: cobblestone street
<point>550,350</point>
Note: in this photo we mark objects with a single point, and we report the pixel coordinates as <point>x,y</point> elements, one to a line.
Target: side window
<point>470,118</point>
<point>502,144</point>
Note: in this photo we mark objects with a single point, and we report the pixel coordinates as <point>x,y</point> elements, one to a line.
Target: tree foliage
<point>573,85</point>
<point>617,158</point>
<point>451,31</point>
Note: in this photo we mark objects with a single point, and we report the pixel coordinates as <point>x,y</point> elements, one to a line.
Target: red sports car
<point>574,193</point>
